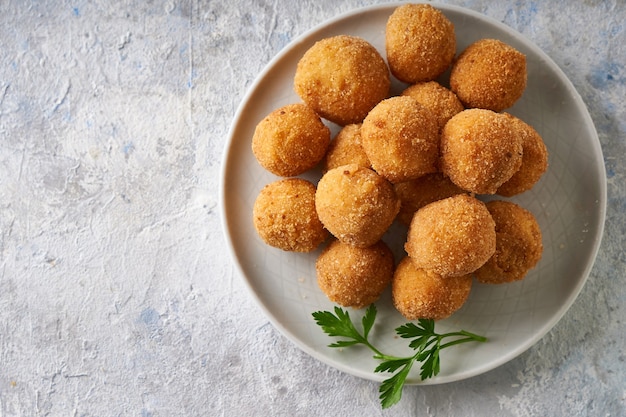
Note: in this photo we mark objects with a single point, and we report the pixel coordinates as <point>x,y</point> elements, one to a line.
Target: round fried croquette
<point>442,102</point>
<point>354,277</point>
<point>451,237</point>
<point>419,294</point>
<point>417,193</point>
<point>346,148</point>
<point>342,78</point>
<point>420,43</point>
<point>290,140</point>
<point>518,244</point>
<point>480,150</point>
<point>284,216</point>
<point>355,204</point>
<point>534,161</point>
<point>489,74</point>
<point>401,139</point>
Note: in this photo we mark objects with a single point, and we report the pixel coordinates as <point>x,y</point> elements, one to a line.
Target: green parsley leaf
<point>340,324</point>
<point>368,320</point>
<point>425,341</point>
<point>393,365</point>
<point>336,325</point>
<point>391,389</point>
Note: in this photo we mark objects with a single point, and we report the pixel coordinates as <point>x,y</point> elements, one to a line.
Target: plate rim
<point>599,166</point>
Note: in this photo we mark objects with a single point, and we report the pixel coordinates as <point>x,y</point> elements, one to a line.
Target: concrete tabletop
<point>118,296</point>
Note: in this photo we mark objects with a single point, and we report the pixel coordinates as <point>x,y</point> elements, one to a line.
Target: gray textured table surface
<point>117,294</point>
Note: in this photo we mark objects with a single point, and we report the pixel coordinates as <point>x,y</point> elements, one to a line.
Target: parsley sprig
<point>426,343</point>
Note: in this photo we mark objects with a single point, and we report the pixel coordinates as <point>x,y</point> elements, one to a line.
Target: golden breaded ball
<point>355,204</point>
<point>518,244</point>
<point>534,161</point>
<point>290,140</point>
<point>442,102</point>
<point>451,237</point>
<point>354,277</point>
<point>401,139</point>
<point>480,150</point>
<point>420,43</point>
<point>489,74</point>
<point>284,216</point>
<point>418,294</point>
<point>346,148</point>
<point>417,193</point>
<point>342,78</point>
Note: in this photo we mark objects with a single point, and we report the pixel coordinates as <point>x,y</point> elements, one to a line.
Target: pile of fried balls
<point>420,158</point>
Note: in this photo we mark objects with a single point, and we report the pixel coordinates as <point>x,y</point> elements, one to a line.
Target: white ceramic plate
<point>569,203</point>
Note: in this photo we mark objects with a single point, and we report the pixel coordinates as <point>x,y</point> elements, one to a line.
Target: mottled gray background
<point>117,294</point>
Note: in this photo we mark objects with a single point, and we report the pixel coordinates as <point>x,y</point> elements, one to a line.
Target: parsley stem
<point>467,334</point>
<point>458,342</point>
<point>378,353</point>
<point>426,343</point>
<point>469,337</point>
<point>383,357</point>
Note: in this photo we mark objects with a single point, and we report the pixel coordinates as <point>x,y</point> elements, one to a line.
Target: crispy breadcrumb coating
<point>401,139</point>
<point>534,161</point>
<point>290,140</point>
<point>451,237</point>
<point>342,78</point>
<point>489,74</point>
<point>346,148</point>
<point>417,193</point>
<point>480,150</point>
<point>354,277</point>
<point>420,43</point>
<point>442,102</point>
<point>419,294</point>
<point>284,216</point>
<point>518,244</point>
<point>356,204</point>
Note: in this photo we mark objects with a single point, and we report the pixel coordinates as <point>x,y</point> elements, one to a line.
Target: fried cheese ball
<point>442,102</point>
<point>401,139</point>
<point>290,140</point>
<point>518,244</point>
<point>451,237</point>
<point>342,78</point>
<point>419,294</point>
<point>346,148</point>
<point>417,193</point>
<point>284,216</point>
<point>480,150</point>
<point>354,277</point>
<point>420,43</point>
<point>534,161</point>
<point>355,204</point>
<point>489,74</point>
